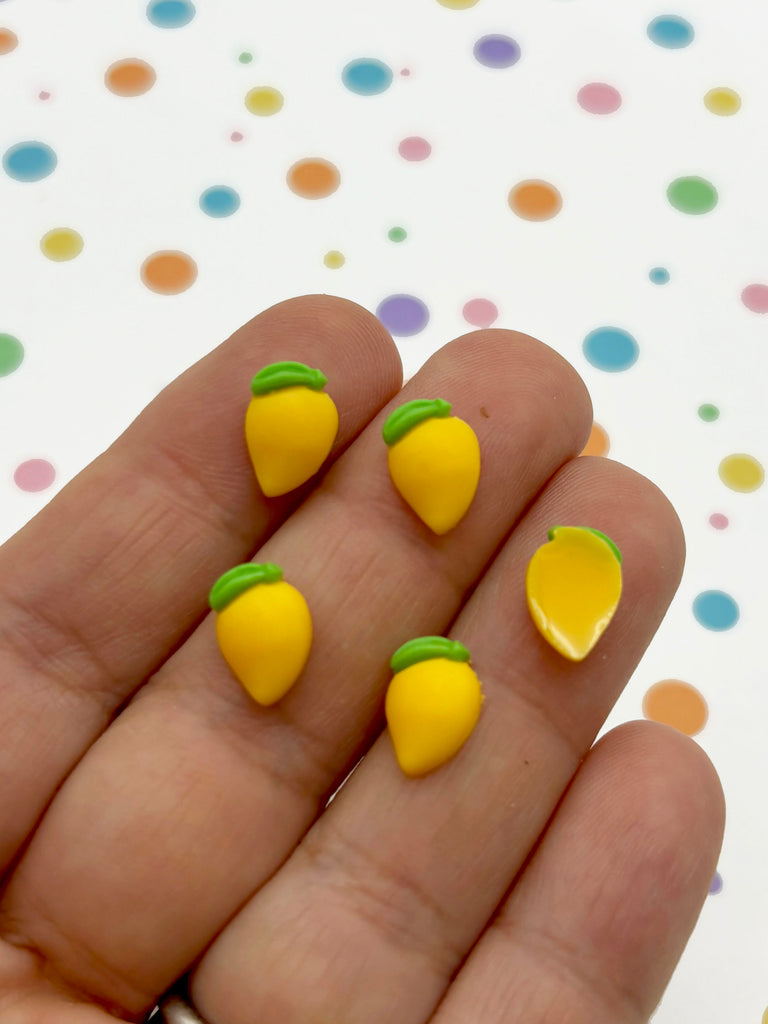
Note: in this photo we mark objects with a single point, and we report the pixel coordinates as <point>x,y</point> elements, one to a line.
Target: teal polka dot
<point>671,32</point>
<point>219,201</point>
<point>659,275</point>
<point>170,13</point>
<point>29,161</point>
<point>366,76</point>
<point>611,349</point>
<point>716,610</point>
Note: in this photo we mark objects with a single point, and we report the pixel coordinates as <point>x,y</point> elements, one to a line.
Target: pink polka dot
<point>236,136</point>
<point>44,95</point>
<point>480,312</point>
<point>414,148</point>
<point>755,297</point>
<point>34,475</point>
<point>405,72</point>
<point>599,98</point>
<point>718,520</point>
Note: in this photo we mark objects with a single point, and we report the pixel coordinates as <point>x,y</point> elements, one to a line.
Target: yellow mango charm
<point>290,426</point>
<point>573,586</point>
<point>432,704</point>
<point>263,627</point>
<point>434,461</point>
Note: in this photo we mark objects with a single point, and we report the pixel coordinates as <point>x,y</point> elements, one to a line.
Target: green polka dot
<point>245,57</point>
<point>11,354</point>
<point>709,413</point>
<point>397,234</point>
<point>692,195</point>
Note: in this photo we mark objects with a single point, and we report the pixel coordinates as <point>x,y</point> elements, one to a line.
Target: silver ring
<point>173,1010</point>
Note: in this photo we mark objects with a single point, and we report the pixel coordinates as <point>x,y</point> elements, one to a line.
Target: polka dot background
<point>589,173</point>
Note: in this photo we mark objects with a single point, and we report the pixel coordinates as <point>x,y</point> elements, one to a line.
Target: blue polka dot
<point>170,13</point>
<point>29,161</point>
<point>671,32</point>
<point>366,76</point>
<point>219,201</point>
<point>611,349</point>
<point>497,51</point>
<point>716,610</point>
<point>659,275</point>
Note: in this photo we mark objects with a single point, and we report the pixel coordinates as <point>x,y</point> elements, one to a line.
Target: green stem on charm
<point>287,375</point>
<point>411,414</point>
<point>241,578</point>
<point>425,647</point>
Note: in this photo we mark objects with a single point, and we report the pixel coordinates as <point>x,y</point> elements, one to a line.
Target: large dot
<point>599,98</point>
<point>366,76</point>
<point>313,178</point>
<point>403,315</point>
<point>658,275</point>
<point>534,199</point>
<point>129,77</point>
<point>722,101</point>
<point>414,148</point>
<point>219,201</point>
<point>397,234</point>
<point>29,161</point>
<point>678,704</point>
<point>264,101</point>
<point>11,354</point>
<point>708,412</point>
<point>170,13</point>
<point>741,473</point>
<point>755,297</point>
<point>718,521</point>
<point>61,244</point>
<point>671,32</point>
<point>716,610</point>
<point>480,312</point>
<point>334,259</point>
<point>692,195</point>
<point>168,272</point>
<point>34,475</point>
<point>497,51</point>
<point>611,349</point>
<point>8,41</point>
<point>598,443</point>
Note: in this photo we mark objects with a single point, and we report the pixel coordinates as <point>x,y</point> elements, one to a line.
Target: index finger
<point>111,576</point>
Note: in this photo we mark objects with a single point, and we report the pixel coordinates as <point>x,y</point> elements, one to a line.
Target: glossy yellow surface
<point>435,468</point>
<point>431,708</point>
<point>573,586</point>
<point>265,635</point>
<point>289,434</point>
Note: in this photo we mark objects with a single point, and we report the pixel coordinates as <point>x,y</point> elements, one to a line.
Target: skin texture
<point>154,820</point>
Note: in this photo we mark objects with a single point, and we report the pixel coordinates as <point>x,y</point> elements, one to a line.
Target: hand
<point>154,820</point>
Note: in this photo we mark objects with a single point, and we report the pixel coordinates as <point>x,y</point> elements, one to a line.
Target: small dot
<point>44,95</point>
<point>692,195</point>
<point>741,473</point>
<point>313,178</point>
<point>8,41</point>
<point>722,101</point>
<point>599,443</point>
<point>11,354</point>
<point>129,77</point>
<point>61,244</point>
<point>480,312</point>
<point>366,76</point>
<point>245,57</point>
<point>219,201</point>
<point>718,521</point>
<point>534,199</point>
<point>403,315</point>
<point>170,13</point>
<point>29,161</point>
<point>717,887</point>
<point>397,234</point>
<point>264,101</point>
<point>334,259</point>
<point>659,275</point>
<point>168,272</point>
<point>678,704</point>
<point>236,136</point>
<point>755,297</point>
<point>671,32</point>
<point>34,475</point>
<point>716,610</point>
<point>708,412</point>
<point>405,72</point>
<point>497,51</point>
<point>611,349</point>
<point>414,148</point>
<point>599,98</point>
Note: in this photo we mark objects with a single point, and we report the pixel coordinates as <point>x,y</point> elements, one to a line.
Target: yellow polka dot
<point>61,244</point>
<point>741,473</point>
<point>722,101</point>
<point>765,1016</point>
<point>458,5</point>
<point>334,259</point>
<point>264,100</point>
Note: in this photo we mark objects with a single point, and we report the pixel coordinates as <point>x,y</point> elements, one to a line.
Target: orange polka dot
<point>677,704</point>
<point>8,40</point>
<point>598,443</point>
<point>129,77</point>
<point>313,178</point>
<point>535,200</point>
<point>169,272</point>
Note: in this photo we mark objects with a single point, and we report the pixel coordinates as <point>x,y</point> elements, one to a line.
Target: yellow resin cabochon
<point>435,468</point>
<point>431,709</point>
<point>289,433</point>
<point>265,635</point>
<point>573,585</point>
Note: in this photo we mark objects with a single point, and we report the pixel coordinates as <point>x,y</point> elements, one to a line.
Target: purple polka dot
<point>34,475</point>
<point>414,148</point>
<point>717,884</point>
<point>480,312</point>
<point>718,520</point>
<point>599,98</point>
<point>403,315</point>
<point>497,51</point>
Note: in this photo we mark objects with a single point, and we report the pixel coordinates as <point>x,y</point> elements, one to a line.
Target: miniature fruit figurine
<point>290,426</point>
<point>263,627</point>
<point>434,461</point>
<point>432,704</point>
<point>573,586</point>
